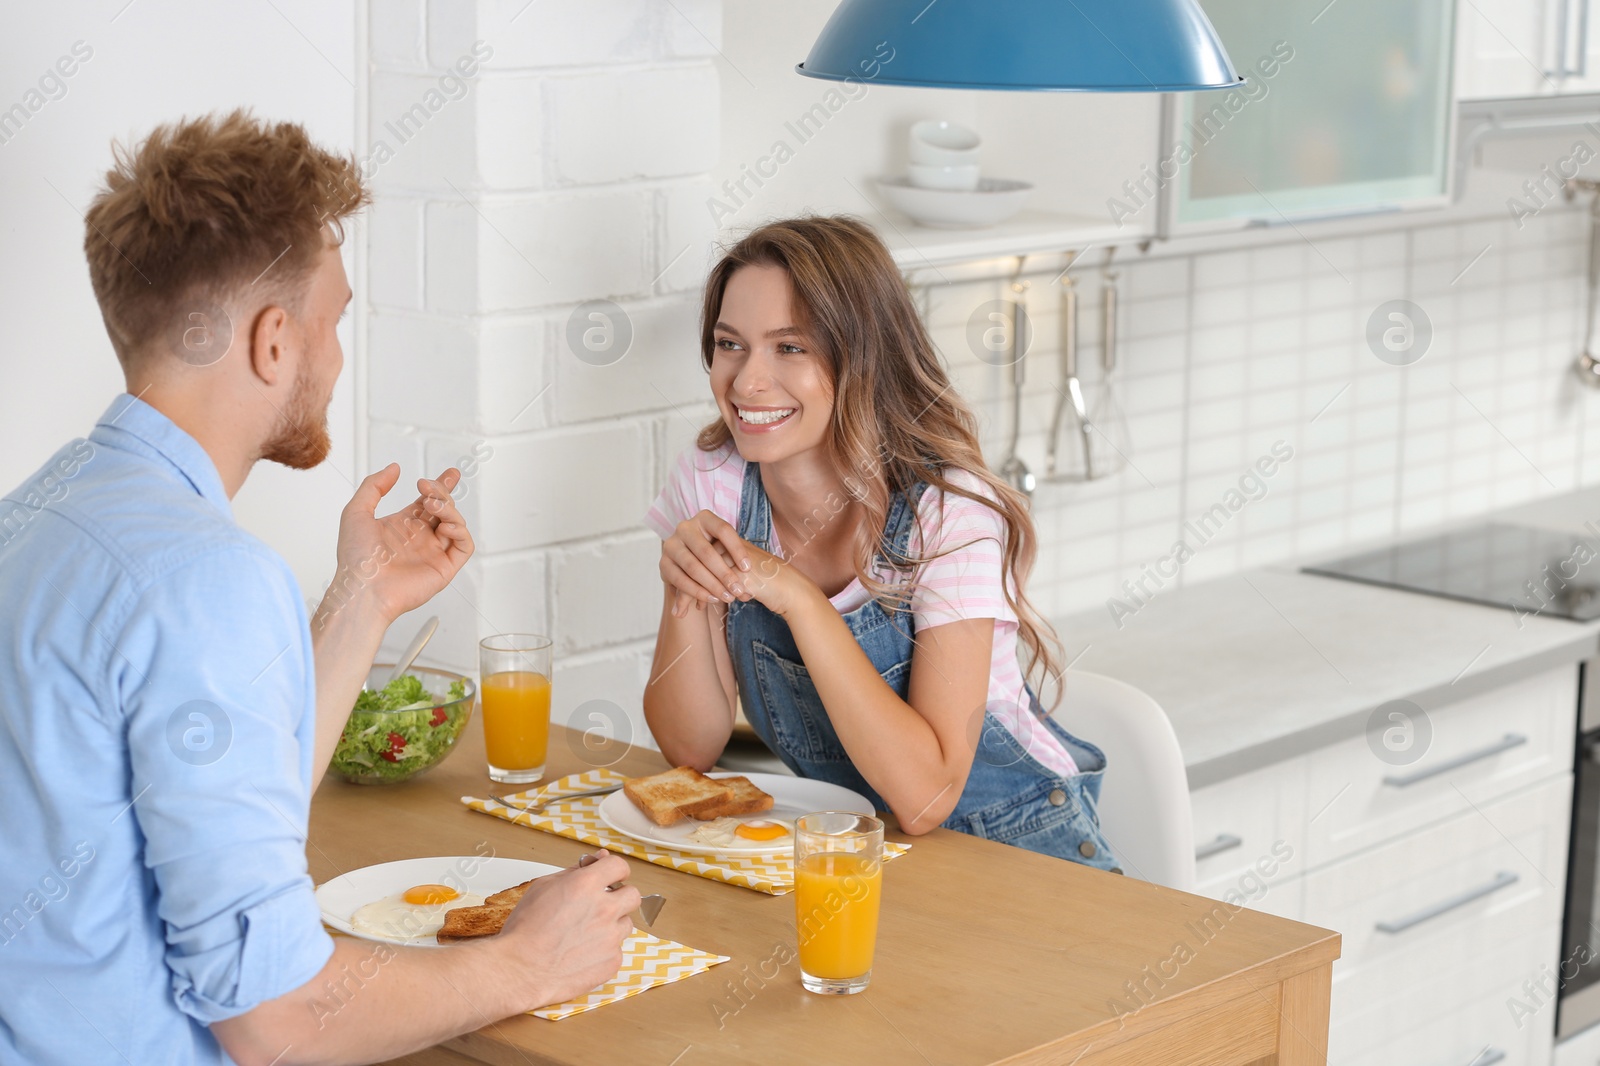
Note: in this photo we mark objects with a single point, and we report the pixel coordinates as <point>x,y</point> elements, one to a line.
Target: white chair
<point>1144,795</point>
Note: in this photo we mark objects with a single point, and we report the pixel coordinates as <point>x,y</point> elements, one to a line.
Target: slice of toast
<point>507,897</point>
<point>744,798</point>
<point>469,923</point>
<point>670,797</point>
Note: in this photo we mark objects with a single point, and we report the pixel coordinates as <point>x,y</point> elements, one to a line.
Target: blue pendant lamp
<point>1039,45</point>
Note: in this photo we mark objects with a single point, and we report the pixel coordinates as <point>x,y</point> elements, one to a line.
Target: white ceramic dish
<point>791,797</point>
<point>924,176</point>
<point>344,895</point>
<point>935,142</point>
<point>992,202</point>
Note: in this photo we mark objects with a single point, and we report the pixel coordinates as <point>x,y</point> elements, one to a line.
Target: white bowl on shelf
<point>935,142</point>
<point>991,203</point>
<point>927,176</point>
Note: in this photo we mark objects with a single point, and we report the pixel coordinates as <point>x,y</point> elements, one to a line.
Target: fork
<point>508,801</point>
<point>649,906</point>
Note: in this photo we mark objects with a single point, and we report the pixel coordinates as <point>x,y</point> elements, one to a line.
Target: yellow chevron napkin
<point>647,961</point>
<point>579,819</point>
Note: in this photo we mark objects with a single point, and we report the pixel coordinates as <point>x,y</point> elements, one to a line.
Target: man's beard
<point>301,439</point>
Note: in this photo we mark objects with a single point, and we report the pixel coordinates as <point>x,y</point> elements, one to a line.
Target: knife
<point>507,801</point>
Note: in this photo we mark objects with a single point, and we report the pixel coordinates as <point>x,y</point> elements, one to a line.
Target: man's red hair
<point>205,208</point>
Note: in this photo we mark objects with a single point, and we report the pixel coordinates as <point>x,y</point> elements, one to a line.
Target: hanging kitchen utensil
<point>1587,368</point>
<point>1111,442</point>
<point>1077,463</point>
<point>1014,470</point>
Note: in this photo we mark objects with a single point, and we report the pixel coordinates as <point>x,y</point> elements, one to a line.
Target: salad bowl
<point>401,729</point>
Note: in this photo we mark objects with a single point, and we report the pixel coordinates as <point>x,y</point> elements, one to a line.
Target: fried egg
<point>764,829</point>
<point>430,894</point>
<point>727,832</point>
<point>416,912</point>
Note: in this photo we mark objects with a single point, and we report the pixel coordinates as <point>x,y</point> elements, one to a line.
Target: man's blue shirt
<point>157,708</point>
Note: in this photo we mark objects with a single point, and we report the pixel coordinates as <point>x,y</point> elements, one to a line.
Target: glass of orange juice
<point>838,882</point>
<point>515,693</point>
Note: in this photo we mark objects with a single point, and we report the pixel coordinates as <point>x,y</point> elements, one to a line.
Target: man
<point>161,723</point>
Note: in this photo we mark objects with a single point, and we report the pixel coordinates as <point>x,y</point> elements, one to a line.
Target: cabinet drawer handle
<point>1223,842</point>
<point>1563,19</point>
<point>1505,743</point>
<point>1400,925</point>
<point>1488,1057</point>
<point>1582,69</point>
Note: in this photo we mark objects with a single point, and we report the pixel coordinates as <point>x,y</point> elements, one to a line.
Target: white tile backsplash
<point>1275,349</point>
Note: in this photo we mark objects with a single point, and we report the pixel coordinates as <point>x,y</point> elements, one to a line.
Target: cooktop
<point>1530,571</point>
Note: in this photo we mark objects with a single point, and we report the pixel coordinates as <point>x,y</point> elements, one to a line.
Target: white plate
<point>791,797</point>
<point>991,203</point>
<point>348,893</point>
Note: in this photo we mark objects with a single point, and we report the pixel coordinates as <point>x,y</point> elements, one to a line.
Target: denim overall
<point>1009,797</point>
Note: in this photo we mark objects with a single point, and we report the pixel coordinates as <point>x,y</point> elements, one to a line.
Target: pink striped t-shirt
<point>965,582</point>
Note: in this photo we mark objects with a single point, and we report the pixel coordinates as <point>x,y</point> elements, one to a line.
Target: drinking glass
<point>515,692</point>
<point>838,881</point>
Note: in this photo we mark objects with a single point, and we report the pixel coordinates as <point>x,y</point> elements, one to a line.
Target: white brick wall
<point>686,228</point>
<point>557,33</point>
<point>607,127</point>
<point>608,592</point>
<point>396,32</point>
<point>571,167</point>
<point>483,374</point>
<point>508,253</point>
<point>563,485</point>
<point>394,244</point>
<point>663,367</point>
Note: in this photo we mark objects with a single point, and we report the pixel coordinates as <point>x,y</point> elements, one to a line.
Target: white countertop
<point>1268,664</point>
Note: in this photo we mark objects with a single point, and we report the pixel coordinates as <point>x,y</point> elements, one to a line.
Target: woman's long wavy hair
<point>896,418</point>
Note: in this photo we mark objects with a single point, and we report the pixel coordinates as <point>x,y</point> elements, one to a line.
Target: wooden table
<point>986,953</point>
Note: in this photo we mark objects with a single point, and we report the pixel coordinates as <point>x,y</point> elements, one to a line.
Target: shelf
<point>1480,120</point>
<point>920,248</point>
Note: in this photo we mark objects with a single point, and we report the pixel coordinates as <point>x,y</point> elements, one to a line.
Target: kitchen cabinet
<point>1248,832</point>
<point>1445,876</point>
<point>1479,748</point>
<point>1347,113</point>
<point>1436,921</point>
<point>1480,1033</point>
<point>1525,48</point>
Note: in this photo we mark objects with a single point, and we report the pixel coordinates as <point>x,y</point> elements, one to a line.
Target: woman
<point>838,558</point>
